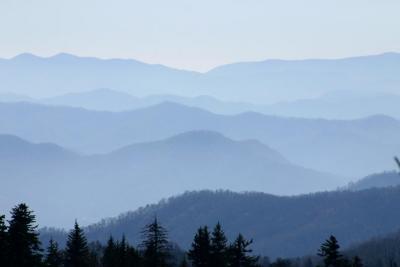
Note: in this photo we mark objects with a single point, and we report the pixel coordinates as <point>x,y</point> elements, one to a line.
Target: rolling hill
<point>143,173</point>
<point>350,148</point>
<point>378,180</point>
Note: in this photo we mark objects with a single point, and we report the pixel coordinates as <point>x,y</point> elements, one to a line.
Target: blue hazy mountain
<point>10,97</point>
<point>100,99</point>
<point>257,82</point>
<point>338,105</point>
<point>143,173</point>
<point>333,105</point>
<point>350,148</point>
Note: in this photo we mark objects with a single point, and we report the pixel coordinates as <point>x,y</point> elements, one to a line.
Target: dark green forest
<point>20,246</point>
<point>286,227</point>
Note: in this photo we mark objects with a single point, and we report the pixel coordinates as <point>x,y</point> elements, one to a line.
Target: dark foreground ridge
<point>282,226</point>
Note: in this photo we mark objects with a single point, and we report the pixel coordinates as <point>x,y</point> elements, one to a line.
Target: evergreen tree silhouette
<point>53,255</point>
<point>77,251</point>
<point>95,250</point>
<point>219,247</point>
<point>200,252</point>
<point>23,242</point>
<point>110,254</point>
<point>156,252</point>
<point>3,241</point>
<point>122,249</point>
<point>357,262</point>
<point>330,252</point>
<point>184,263</point>
<point>281,263</point>
<point>239,253</point>
<point>133,258</point>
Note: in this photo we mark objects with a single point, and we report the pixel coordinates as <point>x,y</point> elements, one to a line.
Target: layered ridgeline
<point>350,148</point>
<point>334,105</point>
<point>99,186</point>
<point>264,81</point>
<point>280,226</point>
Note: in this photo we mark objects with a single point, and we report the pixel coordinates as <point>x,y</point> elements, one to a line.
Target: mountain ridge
<point>264,83</point>
<point>144,173</point>
<point>359,147</point>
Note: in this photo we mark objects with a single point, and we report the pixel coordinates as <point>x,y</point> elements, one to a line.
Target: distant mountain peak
<point>25,56</point>
<point>382,118</point>
<point>63,55</point>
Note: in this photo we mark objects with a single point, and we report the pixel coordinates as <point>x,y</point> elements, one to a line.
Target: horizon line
<point>60,54</point>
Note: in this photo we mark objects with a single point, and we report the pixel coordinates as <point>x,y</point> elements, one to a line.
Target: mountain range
<point>143,173</point>
<point>263,82</point>
<point>349,148</point>
<point>334,105</point>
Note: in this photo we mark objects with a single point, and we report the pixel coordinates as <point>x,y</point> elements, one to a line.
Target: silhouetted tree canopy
<point>155,245</point>
<point>23,242</point>
<point>77,250</point>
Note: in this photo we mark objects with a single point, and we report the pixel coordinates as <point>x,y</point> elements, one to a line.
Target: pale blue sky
<point>200,34</point>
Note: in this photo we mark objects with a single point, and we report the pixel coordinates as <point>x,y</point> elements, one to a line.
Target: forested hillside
<point>384,179</point>
<point>282,226</point>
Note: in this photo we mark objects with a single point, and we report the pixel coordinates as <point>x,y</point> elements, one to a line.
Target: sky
<point>200,34</point>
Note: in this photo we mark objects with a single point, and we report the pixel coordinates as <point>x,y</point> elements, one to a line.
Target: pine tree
<point>132,257</point>
<point>122,249</point>
<point>184,263</point>
<point>330,252</point>
<point>23,242</point>
<point>95,250</point>
<point>357,262</point>
<point>156,252</point>
<point>110,254</point>
<point>3,241</point>
<point>77,251</point>
<point>200,252</point>
<point>239,253</point>
<point>53,255</point>
<point>219,247</point>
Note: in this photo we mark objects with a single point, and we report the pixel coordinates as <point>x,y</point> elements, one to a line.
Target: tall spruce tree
<point>3,241</point>
<point>109,258</point>
<point>122,250</point>
<point>156,252</point>
<point>200,252</point>
<point>330,253</point>
<point>239,253</point>
<point>53,255</point>
<point>77,251</point>
<point>23,242</point>
<point>219,247</point>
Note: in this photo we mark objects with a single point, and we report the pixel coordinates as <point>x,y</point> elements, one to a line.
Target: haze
<point>199,35</point>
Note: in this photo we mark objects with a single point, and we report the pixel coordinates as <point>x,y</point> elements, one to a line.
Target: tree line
<point>20,247</point>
